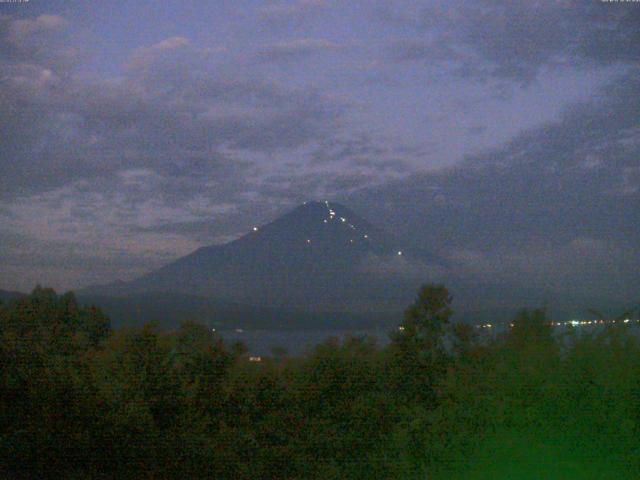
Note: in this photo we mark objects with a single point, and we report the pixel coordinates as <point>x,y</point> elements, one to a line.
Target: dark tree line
<point>78,400</point>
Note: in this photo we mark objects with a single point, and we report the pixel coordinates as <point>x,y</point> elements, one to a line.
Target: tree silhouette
<point>418,345</point>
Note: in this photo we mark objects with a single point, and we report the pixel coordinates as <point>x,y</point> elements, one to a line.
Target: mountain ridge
<point>318,256</point>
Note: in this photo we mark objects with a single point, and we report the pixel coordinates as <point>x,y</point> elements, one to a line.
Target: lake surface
<point>296,342</point>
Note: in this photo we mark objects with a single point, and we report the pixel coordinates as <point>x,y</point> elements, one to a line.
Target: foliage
<point>80,401</point>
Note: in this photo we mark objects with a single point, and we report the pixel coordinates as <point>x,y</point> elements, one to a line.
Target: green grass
<point>513,456</point>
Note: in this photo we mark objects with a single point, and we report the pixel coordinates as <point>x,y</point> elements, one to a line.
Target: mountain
<point>169,310</point>
<point>6,295</point>
<point>319,257</point>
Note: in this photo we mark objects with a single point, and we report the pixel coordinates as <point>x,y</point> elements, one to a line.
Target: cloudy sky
<point>504,135</point>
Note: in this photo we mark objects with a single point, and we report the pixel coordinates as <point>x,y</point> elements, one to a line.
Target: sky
<point>502,135</point>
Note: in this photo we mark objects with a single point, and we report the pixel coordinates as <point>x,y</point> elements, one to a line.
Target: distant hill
<point>321,257</point>
<point>6,295</point>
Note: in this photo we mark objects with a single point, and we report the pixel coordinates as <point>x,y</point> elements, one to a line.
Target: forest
<point>439,401</point>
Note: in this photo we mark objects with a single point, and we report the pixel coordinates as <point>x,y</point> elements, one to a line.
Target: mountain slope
<point>320,256</point>
<point>170,310</point>
<point>6,296</point>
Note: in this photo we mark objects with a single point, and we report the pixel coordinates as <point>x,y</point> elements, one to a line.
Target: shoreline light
<point>570,323</point>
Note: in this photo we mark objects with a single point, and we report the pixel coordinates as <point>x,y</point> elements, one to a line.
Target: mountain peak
<point>318,221</point>
<point>322,207</point>
<point>319,253</point>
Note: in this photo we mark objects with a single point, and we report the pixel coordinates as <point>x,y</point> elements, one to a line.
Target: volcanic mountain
<point>321,256</point>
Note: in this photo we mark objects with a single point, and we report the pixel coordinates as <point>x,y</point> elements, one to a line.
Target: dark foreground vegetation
<point>78,400</point>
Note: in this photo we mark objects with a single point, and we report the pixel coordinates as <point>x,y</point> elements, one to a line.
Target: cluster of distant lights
<point>570,323</point>
<point>332,216</point>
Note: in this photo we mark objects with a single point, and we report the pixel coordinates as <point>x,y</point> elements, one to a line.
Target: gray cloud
<point>149,158</point>
<point>168,114</point>
<point>555,209</point>
<point>477,130</point>
<point>41,39</point>
<point>297,49</point>
<point>287,13</point>
<point>189,144</point>
<point>515,40</point>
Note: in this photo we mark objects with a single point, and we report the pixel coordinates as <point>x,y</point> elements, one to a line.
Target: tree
<point>531,329</point>
<point>425,320</point>
<point>418,344</point>
<point>46,401</point>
